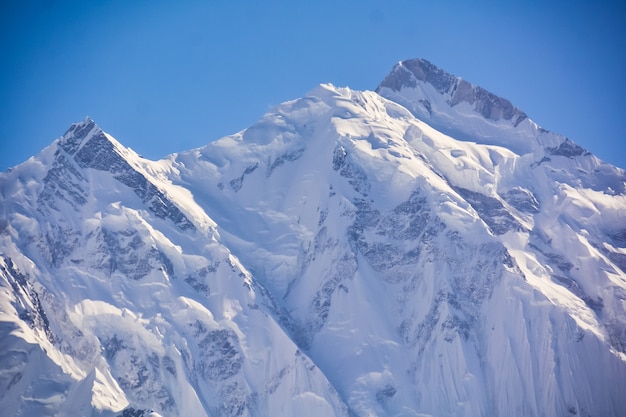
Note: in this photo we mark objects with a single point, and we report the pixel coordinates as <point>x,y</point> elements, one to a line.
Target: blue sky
<point>165,76</point>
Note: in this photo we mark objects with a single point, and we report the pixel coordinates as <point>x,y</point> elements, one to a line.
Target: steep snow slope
<point>342,256</point>
<point>574,202</point>
<point>425,273</point>
<point>117,294</point>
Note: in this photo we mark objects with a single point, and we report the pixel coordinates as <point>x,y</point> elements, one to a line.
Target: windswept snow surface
<point>349,254</point>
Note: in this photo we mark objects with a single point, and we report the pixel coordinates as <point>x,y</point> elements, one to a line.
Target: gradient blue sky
<point>167,76</point>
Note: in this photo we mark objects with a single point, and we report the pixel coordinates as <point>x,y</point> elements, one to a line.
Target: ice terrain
<point>425,249</point>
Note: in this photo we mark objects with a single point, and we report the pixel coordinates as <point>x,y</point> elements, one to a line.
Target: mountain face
<point>425,249</point>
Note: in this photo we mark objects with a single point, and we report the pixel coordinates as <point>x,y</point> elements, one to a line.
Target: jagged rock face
<point>461,109</point>
<point>340,257</point>
<point>98,152</point>
<point>407,73</point>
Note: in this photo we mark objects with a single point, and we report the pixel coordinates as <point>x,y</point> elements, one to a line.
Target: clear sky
<point>168,76</point>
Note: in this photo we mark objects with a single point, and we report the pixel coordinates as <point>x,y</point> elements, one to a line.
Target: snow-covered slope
<point>118,294</point>
<point>342,256</point>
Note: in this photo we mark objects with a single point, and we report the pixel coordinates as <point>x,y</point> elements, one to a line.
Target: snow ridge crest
<point>409,74</point>
<point>91,147</point>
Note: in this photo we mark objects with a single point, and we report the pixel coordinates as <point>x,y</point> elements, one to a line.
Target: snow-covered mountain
<point>425,249</point>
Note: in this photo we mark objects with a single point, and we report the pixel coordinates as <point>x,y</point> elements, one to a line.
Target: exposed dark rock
<point>198,280</point>
<point>64,182</point>
<point>522,199</point>
<point>220,356</point>
<point>98,152</point>
<point>617,334</point>
<point>568,149</point>
<point>58,243</point>
<point>339,157</point>
<point>406,74</point>
<point>355,176</point>
<point>30,309</point>
<point>129,255</point>
<point>78,131</point>
<point>133,412</point>
<point>595,304</point>
<point>455,325</point>
<point>387,392</point>
<point>491,211</point>
<point>487,104</point>
<point>237,183</point>
<point>169,365</point>
<point>287,157</point>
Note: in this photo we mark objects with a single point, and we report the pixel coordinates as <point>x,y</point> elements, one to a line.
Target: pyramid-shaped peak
<point>78,134</point>
<point>91,147</point>
<point>407,73</point>
<point>428,90</point>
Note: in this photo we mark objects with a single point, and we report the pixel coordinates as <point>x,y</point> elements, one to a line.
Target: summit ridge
<point>407,74</point>
<point>422,250</point>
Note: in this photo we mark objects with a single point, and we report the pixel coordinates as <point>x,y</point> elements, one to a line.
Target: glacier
<point>424,249</point>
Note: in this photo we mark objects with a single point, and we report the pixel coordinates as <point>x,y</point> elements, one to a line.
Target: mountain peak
<point>340,257</point>
<point>78,134</point>
<point>92,147</point>
<point>88,146</point>
<point>451,105</point>
<point>407,73</point>
<point>411,73</point>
